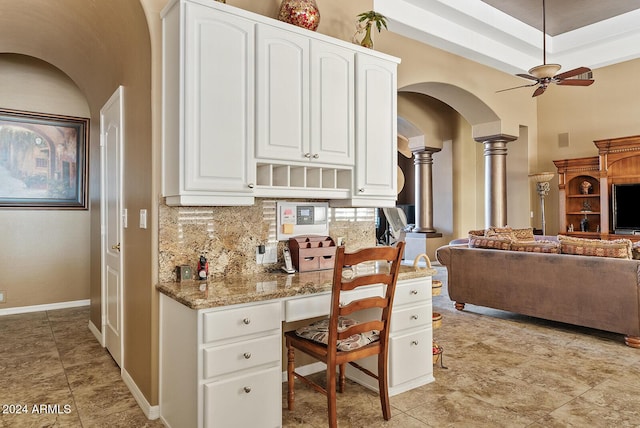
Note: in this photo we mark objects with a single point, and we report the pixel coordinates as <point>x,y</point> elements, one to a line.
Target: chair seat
<point>319,332</point>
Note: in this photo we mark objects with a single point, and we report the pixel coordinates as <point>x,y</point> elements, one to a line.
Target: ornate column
<point>423,162</point>
<point>495,179</point>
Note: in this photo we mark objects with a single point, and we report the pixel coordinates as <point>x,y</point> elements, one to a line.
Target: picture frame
<point>43,160</point>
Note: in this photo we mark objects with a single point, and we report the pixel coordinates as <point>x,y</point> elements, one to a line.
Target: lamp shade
<point>542,177</point>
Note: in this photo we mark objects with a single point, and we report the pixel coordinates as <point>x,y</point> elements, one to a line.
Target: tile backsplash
<point>228,236</point>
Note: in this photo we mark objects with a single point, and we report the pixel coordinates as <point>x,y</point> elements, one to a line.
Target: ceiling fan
<point>545,74</point>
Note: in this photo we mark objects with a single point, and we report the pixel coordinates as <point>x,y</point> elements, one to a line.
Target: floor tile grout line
<point>64,369</point>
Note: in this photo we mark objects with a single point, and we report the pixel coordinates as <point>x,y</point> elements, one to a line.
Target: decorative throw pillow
<point>495,243</point>
<point>618,248</point>
<point>499,232</point>
<point>319,332</point>
<point>542,246</point>
<point>480,232</point>
<point>525,234</point>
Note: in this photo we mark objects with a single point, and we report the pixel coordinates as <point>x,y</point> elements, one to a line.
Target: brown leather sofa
<point>596,292</point>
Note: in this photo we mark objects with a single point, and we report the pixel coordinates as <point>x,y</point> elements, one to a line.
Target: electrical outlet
<point>267,253</point>
<point>3,296</point>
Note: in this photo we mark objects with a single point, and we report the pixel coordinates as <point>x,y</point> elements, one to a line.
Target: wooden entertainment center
<point>618,162</point>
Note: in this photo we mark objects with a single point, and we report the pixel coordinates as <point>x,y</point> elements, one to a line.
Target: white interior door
<point>111,144</point>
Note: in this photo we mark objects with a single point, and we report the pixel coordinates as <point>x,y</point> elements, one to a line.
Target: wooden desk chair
<point>350,340</point>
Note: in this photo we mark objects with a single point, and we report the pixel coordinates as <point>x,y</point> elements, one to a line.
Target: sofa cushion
<point>499,232</point>
<point>542,246</point>
<point>495,243</point>
<point>618,248</point>
<point>525,234</point>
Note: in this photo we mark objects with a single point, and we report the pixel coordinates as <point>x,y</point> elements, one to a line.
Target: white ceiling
<point>506,34</point>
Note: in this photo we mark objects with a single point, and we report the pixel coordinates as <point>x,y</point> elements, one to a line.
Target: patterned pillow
<point>525,234</point>
<point>319,332</point>
<point>541,246</point>
<point>499,232</point>
<point>494,243</point>
<point>480,232</point>
<point>618,248</point>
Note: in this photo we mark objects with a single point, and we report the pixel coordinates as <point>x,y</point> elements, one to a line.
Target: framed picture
<point>43,160</point>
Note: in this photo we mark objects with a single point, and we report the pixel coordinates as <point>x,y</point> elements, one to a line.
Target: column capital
<point>424,149</point>
<point>499,138</point>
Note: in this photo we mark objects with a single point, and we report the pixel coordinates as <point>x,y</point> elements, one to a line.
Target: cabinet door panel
<point>332,103</point>
<point>251,400</point>
<point>218,101</point>
<point>283,94</point>
<point>411,355</point>
<point>376,137</point>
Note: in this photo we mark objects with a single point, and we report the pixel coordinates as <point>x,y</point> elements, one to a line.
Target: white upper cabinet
<point>305,99</point>
<point>208,115</point>
<point>375,181</point>
<point>254,107</point>
<point>283,94</point>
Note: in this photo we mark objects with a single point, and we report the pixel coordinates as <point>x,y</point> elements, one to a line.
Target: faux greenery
<point>371,16</point>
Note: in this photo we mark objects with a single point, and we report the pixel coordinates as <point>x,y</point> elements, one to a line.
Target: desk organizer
<point>312,252</point>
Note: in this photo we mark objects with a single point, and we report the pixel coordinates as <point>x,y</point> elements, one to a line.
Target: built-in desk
<point>221,343</point>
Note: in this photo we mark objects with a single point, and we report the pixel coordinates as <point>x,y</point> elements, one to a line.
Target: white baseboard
<point>45,307</point>
<point>151,412</point>
<point>307,370</point>
<point>93,329</point>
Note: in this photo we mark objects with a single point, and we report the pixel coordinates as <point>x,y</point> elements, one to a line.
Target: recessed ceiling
<point>506,34</point>
<point>563,16</point>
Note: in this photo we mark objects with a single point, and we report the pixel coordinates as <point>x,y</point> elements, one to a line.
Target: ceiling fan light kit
<point>545,74</point>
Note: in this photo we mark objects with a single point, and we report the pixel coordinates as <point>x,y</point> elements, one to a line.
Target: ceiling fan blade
<point>539,91</point>
<point>517,87</point>
<point>571,73</point>
<point>527,76</point>
<point>575,82</point>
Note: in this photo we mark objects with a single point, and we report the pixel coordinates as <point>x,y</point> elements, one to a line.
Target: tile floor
<point>504,370</point>
<point>51,358</point>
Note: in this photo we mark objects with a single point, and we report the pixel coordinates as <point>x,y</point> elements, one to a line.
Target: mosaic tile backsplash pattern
<point>228,236</point>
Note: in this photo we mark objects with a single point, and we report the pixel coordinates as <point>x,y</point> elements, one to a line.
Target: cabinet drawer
<point>237,322</point>
<point>414,316</point>
<point>411,355</point>
<point>412,291</point>
<point>241,355</point>
<point>319,305</point>
<point>253,400</point>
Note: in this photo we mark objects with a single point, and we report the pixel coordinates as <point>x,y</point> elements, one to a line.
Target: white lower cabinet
<point>410,337</point>
<point>220,367</point>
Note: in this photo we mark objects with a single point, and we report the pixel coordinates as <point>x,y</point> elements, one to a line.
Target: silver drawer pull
<point>246,321</point>
<point>414,292</point>
<point>316,156</point>
<point>414,343</point>
<point>414,317</point>
<point>247,355</point>
<point>307,155</point>
<point>247,389</point>
<point>361,190</point>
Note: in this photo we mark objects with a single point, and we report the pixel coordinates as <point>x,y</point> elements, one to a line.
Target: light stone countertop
<point>233,290</point>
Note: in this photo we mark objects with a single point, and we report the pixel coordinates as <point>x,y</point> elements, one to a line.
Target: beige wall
<point>44,256</point>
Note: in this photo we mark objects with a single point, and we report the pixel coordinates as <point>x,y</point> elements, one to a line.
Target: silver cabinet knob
<point>247,355</point>
<point>414,343</point>
<point>246,321</point>
<point>316,156</point>
<point>361,190</point>
<point>307,155</point>
<point>251,185</point>
<point>414,317</point>
<point>414,292</point>
<point>247,389</point>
